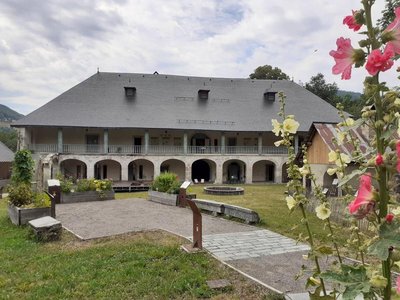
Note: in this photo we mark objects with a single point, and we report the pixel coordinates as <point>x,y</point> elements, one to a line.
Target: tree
<point>388,13</point>
<point>324,90</point>
<point>268,72</point>
<point>9,137</point>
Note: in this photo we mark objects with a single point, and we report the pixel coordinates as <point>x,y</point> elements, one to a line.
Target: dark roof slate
<point>6,155</point>
<point>171,102</point>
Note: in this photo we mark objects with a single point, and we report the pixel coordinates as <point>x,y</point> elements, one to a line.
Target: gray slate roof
<point>171,102</point>
<point>6,155</point>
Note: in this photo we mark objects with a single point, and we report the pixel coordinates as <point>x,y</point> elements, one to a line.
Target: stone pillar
<point>223,142</point>
<point>124,171</point>
<point>260,143</point>
<point>105,140</point>
<point>188,171</point>
<point>146,142</point>
<point>89,170</point>
<point>296,144</point>
<point>185,143</point>
<point>249,172</point>
<point>218,173</point>
<point>59,140</point>
<point>278,173</point>
<point>22,143</point>
<point>157,169</point>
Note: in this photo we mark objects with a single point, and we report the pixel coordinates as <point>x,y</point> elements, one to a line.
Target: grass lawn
<point>268,201</point>
<point>132,266</point>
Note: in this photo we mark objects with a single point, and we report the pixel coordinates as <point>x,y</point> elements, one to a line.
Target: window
<point>203,94</point>
<point>269,96</point>
<point>130,91</point>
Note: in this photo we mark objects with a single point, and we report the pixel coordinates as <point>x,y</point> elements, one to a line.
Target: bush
<point>166,183</point>
<point>84,185</point>
<point>22,167</point>
<point>66,184</point>
<point>20,194</point>
<point>41,200</point>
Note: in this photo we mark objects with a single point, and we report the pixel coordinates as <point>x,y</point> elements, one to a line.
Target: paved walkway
<point>262,254</point>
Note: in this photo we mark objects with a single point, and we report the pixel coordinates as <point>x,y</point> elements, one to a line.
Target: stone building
<point>131,127</point>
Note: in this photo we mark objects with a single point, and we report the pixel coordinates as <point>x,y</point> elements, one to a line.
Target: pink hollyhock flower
<point>398,285</point>
<point>379,160</point>
<point>345,57</point>
<point>351,21</point>
<point>380,62</point>
<point>363,203</point>
<point>389,218</point>
<point>398,156</point>
<point>392,32</point>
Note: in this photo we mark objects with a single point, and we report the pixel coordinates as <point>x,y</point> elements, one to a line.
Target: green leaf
<point>325,250</point>
<point>389,236</point>
<point>353,278</point>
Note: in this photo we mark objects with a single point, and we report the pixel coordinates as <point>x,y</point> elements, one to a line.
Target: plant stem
<point>359,247</point>
<point>311,241</point>
<point>334,243</point>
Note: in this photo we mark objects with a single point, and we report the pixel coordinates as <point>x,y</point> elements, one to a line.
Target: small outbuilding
<point>6,159</point>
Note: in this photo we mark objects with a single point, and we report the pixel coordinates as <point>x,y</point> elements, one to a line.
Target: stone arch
<point>204,169</point>
<point>234,171</point>
<point>264,171</point>
<point>141,169</point>
<point>107,169</point>
<point>73,168</point>
<point>174,166</point>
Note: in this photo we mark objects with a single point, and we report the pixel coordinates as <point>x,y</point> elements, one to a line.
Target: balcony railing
<point>157,149</point>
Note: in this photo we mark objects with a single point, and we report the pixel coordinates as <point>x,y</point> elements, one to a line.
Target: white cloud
<point>49,46</point>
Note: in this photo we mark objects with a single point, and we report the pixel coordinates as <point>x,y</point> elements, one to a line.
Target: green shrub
<point>84,185</point>
<point>41,200</point>
<point>22,167</point>
<point>103,185</point>
<point>20,194</point>
<point>66,184</point>
<point>166,183</point>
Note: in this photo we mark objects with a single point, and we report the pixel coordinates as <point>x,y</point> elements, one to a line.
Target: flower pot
<point>21,215</point>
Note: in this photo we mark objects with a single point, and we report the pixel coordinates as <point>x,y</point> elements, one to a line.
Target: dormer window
<point>130,92</point>
<point>269,96</point>
<point>203,94</point>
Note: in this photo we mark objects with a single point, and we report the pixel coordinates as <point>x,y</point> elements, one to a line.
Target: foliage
<point>20,194</point>
<point>327,91</point>
<point>388,13</point>
<point>84,185</point>
<point>7,114</point>
<point>268,72</point>
<point>378,167</point>
<point>66,183</point>
<point>41,200</point>
<point>9,137</point>
<point>22,167</point>
<point>166,183</point>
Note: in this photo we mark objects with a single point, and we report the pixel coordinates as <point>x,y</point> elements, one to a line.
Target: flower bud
<point>379,160</point>
<point>389,218</point>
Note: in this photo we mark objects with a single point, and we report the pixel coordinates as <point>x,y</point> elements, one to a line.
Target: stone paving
<point>268,257</point>
<point>242,245</point>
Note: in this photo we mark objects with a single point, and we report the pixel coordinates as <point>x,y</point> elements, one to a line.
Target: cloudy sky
<point>46,47</point>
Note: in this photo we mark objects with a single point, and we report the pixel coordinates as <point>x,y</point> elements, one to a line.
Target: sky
<point>47,47</point>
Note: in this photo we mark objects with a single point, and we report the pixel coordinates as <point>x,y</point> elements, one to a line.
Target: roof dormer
<point>130,91</point>
<point>269,96</point>
<point>203,94</point>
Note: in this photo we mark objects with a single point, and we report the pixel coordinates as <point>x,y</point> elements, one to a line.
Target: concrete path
<point>268,257</point>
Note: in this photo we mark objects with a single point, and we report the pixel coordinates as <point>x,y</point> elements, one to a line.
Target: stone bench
<point>46,229</point>
<point>212,206</point>
<point>248,215</point>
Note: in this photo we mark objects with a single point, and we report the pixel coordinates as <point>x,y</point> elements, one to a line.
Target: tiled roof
<point>172,102</point>
<point>6,155</point>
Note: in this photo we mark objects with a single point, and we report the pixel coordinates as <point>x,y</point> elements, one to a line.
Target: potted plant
<point>24,203</point>
<point>164,189</point>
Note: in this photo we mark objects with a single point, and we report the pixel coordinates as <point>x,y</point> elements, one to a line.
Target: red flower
<point>344,57</point>
<point>363,203</point>
<point>389,218</point>
<point>398,156</point>
<point>351,21</point>
<point>380,62</point>
<point>392,32</point>
<point>379,159</point>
